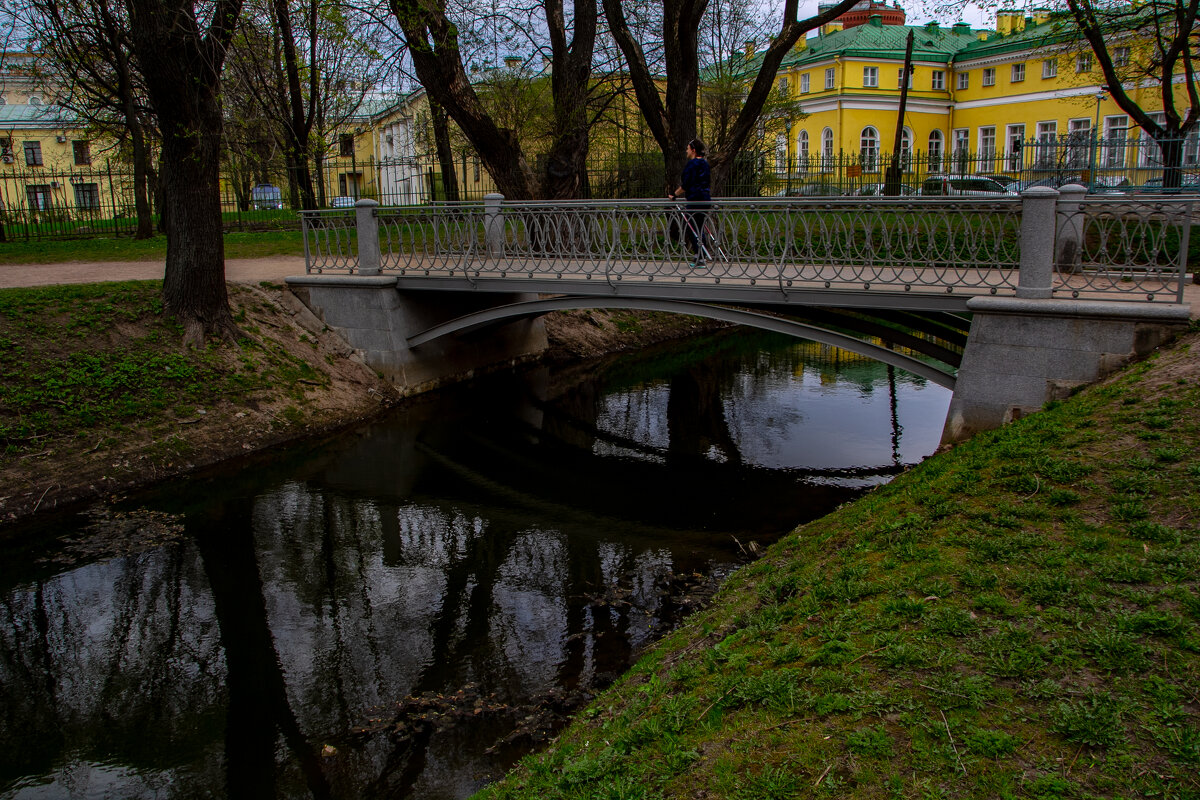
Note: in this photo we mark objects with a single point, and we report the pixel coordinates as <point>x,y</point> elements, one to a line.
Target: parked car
<point>1003,180</point>
<point>815,189</point>
<point>266,196</point>
<point>962,186</point>
<point>342,202</point>
<point>1188,183</point>
<point>876,190</point>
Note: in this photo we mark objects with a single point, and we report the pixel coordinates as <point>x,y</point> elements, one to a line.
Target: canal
<point>406,609</point>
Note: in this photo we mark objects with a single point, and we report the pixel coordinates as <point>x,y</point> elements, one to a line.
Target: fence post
<point>1068,246</point>
<point>1036,276</point>
<point>493,225</point>
<point>368,236</point>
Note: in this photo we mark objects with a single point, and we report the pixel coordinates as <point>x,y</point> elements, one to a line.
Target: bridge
<point>1008,301</point>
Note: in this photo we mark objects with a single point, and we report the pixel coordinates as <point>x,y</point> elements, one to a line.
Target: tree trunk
<point>445,155</point>
<point>182,66</point>
<point>141,194</point>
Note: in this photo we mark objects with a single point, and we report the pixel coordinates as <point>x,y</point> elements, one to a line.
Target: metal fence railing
<point>1095,246</point>
<point>39,202</point>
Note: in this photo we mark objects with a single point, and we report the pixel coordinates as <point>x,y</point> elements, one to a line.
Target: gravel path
<point>243,270</point>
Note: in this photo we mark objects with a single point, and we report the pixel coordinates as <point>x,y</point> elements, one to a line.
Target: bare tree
<point>437,52</point>
<point>181,50</point>
<point>1157,42</point>
<point>671,114</point>
<point>84,49</point>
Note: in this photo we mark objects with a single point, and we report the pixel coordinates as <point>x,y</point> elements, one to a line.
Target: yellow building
<point>1017,102</point>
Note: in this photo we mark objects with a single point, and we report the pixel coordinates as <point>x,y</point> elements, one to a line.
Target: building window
<point>870,77</point>
<point>804,83</point>
<point>1047,139</point>
<point>1115,131</point>
<point>935,151</point>
<point>989,76</point>
<point>900,78</point>
<point>6,149</point>
<point>802,150</point>
<point>829,78</point>
<point>1013,153</point>
<point>905,148</point>
<point>987,147</point>
<point>938,79</point>
<point>964,80</point>
<point>781,154</point>
<point>1120,56</point>
<point>346,146</point>
<point>1079,142</point>
<point>39,196</point>
<point>962,149</point>
<point>827,148</point>
<point>83,152</point>
<point>868,149</point>
<point>35,99</point>
<point>783,86</point>
<point>87,196</point>
<point>1018,72</point>
<point>1083,63</point>
<point>33,154</point>
<point>1050,68</point>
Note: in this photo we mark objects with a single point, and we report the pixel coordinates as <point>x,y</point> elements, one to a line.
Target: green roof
<point>23,115</point>
<point>930,43</point>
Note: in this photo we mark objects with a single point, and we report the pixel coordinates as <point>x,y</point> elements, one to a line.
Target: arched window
<point>906,138</point>
<point>781,154</point>
<point>802,151</point>
<point>868,149</point>
<point>35,99</point>
<point>827,149</point>
<point>936,145</point>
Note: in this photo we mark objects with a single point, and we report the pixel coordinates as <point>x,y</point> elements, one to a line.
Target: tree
<point>435,47</point>
<point>181,54</point>
<point>307,66</point>
<point>84,48</point>
<point>671,115</point>
<point>1158,42</point>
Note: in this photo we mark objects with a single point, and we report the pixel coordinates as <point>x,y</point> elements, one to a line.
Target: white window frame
<point>830,78</point>
<point>1050,68</point>
<point>935,150</point>
<point>802,150</point>
<point>1047,143</point>
<point>1018,72</point>
<point>989,76</point>
<point>987,145</point>
<point>1079,142</point>
<point>804,81</point>
<point>937,80</point>
<point>868,148</point>
<point>827,153</point>
<point>1120,56</point>
<point>960,149</point>
<point>900,78</point>
<point>1014,146</point>
<point>870,77</point>
<point>1083,63</point>
<point>963,81</point>
<point>1116,140</point>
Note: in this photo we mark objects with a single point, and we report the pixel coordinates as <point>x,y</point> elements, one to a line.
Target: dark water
<point>407,609</point>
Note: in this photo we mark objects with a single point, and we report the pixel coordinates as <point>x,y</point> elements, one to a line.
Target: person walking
<point>694,185</point>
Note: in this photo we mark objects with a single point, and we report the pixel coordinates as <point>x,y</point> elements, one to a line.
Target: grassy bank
<point>53,251</point>
<point>1018,617</point>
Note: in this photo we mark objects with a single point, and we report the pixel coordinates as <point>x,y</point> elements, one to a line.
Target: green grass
<point>79,359</point>
<point>1016,618</point>
<point>237,245</point>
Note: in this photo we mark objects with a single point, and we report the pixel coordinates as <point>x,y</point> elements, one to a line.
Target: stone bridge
<point>1009,302</point>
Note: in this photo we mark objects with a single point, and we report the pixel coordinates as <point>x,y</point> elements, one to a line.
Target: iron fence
<point>40,202</point>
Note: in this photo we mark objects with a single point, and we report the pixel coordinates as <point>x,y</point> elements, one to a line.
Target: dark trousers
<point>695,215</point>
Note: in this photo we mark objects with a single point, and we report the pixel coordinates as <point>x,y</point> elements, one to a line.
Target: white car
<point>963,186</point>
<point>342,202</point>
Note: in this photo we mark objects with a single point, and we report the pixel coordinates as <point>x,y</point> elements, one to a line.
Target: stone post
<point>1068,247</point>
<point>367,224</point>
<point>1037,242</point>
<point>493,225</point>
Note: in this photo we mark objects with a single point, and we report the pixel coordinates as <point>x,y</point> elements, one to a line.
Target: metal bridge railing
<point>1038,244</point>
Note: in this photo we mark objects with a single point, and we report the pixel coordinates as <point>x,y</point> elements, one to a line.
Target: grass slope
<point>1018,617</point>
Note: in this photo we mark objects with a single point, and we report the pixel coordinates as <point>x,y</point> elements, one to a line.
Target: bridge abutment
<point>377,319</point>
<point>1023,352</point>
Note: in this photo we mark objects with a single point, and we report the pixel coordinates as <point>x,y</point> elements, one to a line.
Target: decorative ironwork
<point>329,241</point>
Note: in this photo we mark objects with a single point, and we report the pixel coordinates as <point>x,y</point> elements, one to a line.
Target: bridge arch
<point>498,315</point>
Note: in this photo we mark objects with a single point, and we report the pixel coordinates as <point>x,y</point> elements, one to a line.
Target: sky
<point>921,12</point>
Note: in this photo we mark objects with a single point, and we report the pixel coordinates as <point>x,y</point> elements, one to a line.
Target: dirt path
<point>239,270</point>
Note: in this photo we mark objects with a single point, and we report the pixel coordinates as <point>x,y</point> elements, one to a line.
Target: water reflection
<point>401,612</point>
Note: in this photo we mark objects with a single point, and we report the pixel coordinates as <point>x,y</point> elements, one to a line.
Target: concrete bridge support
<point>1024,352</point>
<point>376,320</point>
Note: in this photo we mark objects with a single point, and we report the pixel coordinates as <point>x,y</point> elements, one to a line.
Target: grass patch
<point>53,251</point>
